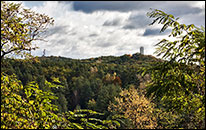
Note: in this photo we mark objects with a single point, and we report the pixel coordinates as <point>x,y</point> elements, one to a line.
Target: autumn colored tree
<point>135,107</point>
<point>19,28</point>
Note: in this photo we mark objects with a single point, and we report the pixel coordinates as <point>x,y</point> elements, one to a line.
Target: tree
<point>31,108</point>
<point>135,107</point>
<point>26,106</point>
<point>189,48</point>
<point>19,28</point>
<point>178,82</point>
<point>105,96</point>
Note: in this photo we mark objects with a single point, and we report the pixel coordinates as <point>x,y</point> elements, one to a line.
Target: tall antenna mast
<point>44,52</point>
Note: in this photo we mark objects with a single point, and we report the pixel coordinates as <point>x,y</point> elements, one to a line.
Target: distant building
<point>142,50</point>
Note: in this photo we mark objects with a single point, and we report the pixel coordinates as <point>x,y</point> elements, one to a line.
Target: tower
<point>142,50</point>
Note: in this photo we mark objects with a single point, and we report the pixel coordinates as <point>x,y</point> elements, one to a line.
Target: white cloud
<point>77,34</point>
<point>105,40</point>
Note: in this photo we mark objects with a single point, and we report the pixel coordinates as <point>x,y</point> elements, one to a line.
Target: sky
<point>88,29</point>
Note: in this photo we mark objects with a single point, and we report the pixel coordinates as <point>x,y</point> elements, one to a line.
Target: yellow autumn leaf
<point>31,101</point>
<point>7,101</point>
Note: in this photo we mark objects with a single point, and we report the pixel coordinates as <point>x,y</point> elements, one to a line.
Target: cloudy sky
<point>85,29</point>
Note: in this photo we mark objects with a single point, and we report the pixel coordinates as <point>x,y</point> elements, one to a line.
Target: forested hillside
<point>96,79</point>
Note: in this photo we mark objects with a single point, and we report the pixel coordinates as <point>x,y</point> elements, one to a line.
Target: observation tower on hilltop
<point>142,50</point>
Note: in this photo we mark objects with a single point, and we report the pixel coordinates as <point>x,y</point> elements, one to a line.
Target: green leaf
<point>31,101</point>
<point>78,126</point>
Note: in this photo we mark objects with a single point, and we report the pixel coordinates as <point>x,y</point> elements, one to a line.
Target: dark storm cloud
<point>137,21</point>
<point>91,6</point>
<point>175,7</point>
<point>182,10</point>
<point>152,32</point>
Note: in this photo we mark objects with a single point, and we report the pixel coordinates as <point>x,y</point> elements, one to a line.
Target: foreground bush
<point>28,107</point>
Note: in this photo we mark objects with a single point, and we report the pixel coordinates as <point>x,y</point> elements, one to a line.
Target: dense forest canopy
<point>77,75</point>
<point>129,91</point>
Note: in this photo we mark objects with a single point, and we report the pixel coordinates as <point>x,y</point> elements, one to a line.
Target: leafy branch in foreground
<point>25,106</point>
<point>19,28</point>
<point>190,44</point>
<point>29,107</point>
<point>178,83</point>
<point>88,119</point>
